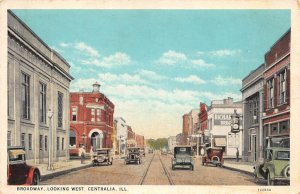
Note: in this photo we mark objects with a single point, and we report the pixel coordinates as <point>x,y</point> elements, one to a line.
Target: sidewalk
<point>61,167</point>
<point>244,167</point>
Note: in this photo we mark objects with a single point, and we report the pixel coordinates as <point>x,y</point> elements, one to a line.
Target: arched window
<point>72,138</point>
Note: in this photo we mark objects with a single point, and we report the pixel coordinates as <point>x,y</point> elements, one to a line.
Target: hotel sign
<point>222,119</point>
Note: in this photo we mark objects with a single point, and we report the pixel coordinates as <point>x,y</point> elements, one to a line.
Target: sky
<point>156,65</point>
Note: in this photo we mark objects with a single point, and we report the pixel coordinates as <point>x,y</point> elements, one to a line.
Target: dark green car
<point>276,165</point>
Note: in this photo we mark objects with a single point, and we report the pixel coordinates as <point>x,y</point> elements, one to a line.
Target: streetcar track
<point>164,168</point>
<point>147,169</point>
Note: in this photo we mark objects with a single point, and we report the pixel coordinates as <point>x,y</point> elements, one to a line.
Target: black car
<point>133,156</point>
<point>183,157</point>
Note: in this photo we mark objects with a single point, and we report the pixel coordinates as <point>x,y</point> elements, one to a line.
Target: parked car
<point>102,156</point>
<point>133,156</point>
<point>276,165</point>
<point>213,155</point>
<point>19,173</point>
<point>142,152</point>
<point>150,151</point>
<point>182,157</point>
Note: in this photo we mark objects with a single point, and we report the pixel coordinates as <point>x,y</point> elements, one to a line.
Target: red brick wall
<point>185,127</point>
<point>203,117</point>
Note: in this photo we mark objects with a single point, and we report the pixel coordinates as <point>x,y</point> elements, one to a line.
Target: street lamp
<point>50,147</point>
<point>84,140</point>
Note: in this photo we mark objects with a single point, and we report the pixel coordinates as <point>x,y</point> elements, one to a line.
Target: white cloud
<point>193,79</point>
<point>202,63</point>
<point>63,44</point>
<point>224,52</point>
<point>176,58</point>
<point>150,74</point>
<point>90,51</point>
<point>222,81</point>
<point>171,57</point>
<point>115,60</point>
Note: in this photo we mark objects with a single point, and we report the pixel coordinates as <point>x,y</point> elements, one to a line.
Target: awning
<point>220,141</point>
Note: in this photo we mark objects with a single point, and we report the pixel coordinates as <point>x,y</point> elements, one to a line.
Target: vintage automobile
<point>213,155</point>
<point>19,173</point>
<point>150,151</point>
<point>102,156</point>
<point>182,157</point>
<point>142,152</point>
<point>133,156</point>
<point>275,167</point>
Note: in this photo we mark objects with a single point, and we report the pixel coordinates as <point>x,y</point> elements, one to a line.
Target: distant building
<point>180,139</point>
<point>122,134</point>
<point>219,126</point>
<point>202,120</point>
<point>91,120</point>
<point>171,143</point>
<point>252,92</point>
<point>140,140</point>
<point>185,128</point>
<point>38,81</point>
<point>276,117</point>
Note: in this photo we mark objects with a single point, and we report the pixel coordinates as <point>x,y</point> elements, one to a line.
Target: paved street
<point>132,174</point>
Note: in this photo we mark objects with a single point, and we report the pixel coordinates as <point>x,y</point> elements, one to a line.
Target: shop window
<point>274,129</point>
<point>283,127</point>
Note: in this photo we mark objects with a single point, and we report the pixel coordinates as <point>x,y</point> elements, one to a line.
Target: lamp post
<point>50,147</point>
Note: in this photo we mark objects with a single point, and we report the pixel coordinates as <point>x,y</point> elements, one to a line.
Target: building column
<point>260,126</point>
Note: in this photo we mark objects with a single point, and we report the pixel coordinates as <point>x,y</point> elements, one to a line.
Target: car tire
<point>35,178</point>
<point>269,181</point>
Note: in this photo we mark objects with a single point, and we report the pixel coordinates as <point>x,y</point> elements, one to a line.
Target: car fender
<point>271,171</point>
<point>30,175</point>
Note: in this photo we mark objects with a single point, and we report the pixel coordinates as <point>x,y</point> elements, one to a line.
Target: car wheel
<point>270,182</point>
<point>173,167</point>
<point>35,179</point>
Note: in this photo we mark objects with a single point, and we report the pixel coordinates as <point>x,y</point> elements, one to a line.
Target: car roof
<point>218,148</point>
<point>278,148</point>
<point>134,148</point>
<point>180,146</point>
<point>15,148</point>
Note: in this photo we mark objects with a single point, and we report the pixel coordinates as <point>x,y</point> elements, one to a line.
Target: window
<point>283,127</point>
<point>8,138</point>
<point>274,129</point>
<point>57,143</point>
<point>270,85</point>
<point>74,113</point>
<point>255,110</point>
<point>46,142</point>
<point>62,143</point>
<point>25,96</point>
<point>72,138</point>
<point>98,115</point>
<point>60,109</point>
<point>41,142</point>
<point>250,143</point>
<point>93,114</point>
<point>30,141</point>
<point>42,103</point>
<point>282,87</point>
<point>23,140</point>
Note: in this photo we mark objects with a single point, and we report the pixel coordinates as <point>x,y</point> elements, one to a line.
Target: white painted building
<point>172,143</point>
<point>219,125</point>
<point>122,134</point>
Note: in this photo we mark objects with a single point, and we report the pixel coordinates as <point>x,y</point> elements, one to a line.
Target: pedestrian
<point>237,154</point>
<point>82,155</point>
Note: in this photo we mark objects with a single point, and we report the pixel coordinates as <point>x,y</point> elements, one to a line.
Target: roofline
<point>253,71</point>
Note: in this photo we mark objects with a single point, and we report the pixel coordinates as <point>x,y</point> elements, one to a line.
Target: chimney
<point>230,100</point>
<point>96,87</point>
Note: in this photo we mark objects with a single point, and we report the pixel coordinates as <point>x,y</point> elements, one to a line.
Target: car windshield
<point>283,155</point>
<point>183,150</point>
<point>280,142</point>
<point>16,157</point>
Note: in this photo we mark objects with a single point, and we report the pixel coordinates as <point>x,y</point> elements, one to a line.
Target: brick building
<point>185,128</point>
<point>38,80</point>
<point>202,120</point>
<point>91,120</point>
<point>276,116</point>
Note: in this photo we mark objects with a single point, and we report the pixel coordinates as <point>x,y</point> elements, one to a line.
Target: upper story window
<point>30,141</point>
<point>92,114</point>
<point>42,103</point>
<point>74,113</point>
<point>25,96</point>
<point>282,87</point>
<point>270,85</point>
<point>23,140</point>
<point>98,115</point>
<point>60,109</point>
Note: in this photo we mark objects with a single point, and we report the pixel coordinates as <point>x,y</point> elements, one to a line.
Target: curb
<point>238,170</point>
<point>59,173</point>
